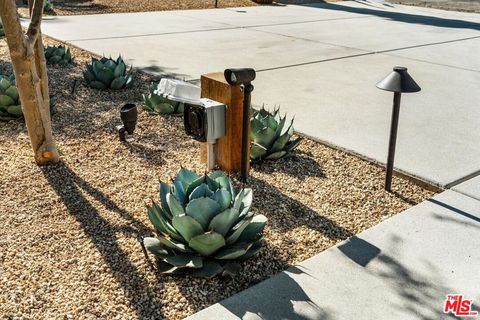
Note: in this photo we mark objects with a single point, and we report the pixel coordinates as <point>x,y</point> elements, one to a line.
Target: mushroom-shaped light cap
<point>399,81</point>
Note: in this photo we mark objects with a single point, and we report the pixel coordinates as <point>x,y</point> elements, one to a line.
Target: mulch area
<point>68,245</point>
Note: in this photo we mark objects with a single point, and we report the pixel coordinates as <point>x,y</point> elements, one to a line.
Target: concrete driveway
<point>321,63</point>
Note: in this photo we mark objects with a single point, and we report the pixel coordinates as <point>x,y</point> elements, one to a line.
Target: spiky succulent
<point>10,107</point>
<point>107,73</point>
<point>269,136</point>
<point>203,226</point>
<point>48,7</point>
<point>58,54</point>
<point>158,104</point>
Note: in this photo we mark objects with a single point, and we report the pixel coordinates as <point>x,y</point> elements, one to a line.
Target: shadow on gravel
<point>69,187</point>
<point>304,167</point>
<point>297,213</point>
<point>405,17</point>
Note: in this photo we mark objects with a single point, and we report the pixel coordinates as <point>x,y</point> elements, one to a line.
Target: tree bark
<point>26,51</point>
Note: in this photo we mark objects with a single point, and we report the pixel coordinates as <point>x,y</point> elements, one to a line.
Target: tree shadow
<point>69,187</point>
<point>300,166</point>
<point>403,17</point>
<point>298,213</point>
<point>291,301</point>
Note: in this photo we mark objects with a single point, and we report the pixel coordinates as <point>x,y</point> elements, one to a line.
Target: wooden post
<point>228,150</point>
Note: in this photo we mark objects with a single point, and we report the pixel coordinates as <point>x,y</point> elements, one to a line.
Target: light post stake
<point>398,81</point>
<point>393,140</point>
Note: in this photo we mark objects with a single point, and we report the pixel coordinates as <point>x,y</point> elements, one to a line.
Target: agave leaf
<point>164,190</point>
<point>6,100</point>
<point>179,192</point>
<point>12,92</point>
<point>276,155</point>
<point>160,223</point>
<point>185,261</point>
<point>97,85</point>
<point>180,108</point>
<point>243,201</point>
<point>166,268</point>
<point>265,138</point>
<point>175,245</point>
<point>237,230</point>
<point>163,108</point>
<point>174,205</point>
<point>55,59</point>
<point>232,269</point>
<point>209,270</point>
<point>119,70</point>
<point>203,210</point>
<point>223,221</point>
<point>187,226</point>
<point>201,191</point>
<point>15,110</point>
<point>272,123</point>
<point>110,64</point>
<point>88,76</point>
<point>68,55</point>
<point>254,230</point>
<point>281,142</point>
<point>4,84</point>
<point>212,184</point>
<point>232,252</point>
<point>118,83</point>
<point>257,152</point>
<point>186,177</point>
<point>105,75</point>
<point>292,144</point>
<point>255,127</point>
<point>256,246</point>
<point>207,243</point>
<point>192,186</point>
<point>280,127</point>
<point>155,246</point>
<point>129,82</point>
<point>147,103</point>
<point>223,197</point>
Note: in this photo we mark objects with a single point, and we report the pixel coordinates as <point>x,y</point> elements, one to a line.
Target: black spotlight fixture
<point>398,82</point>
<point>128,115</point>
<point>243,77</point>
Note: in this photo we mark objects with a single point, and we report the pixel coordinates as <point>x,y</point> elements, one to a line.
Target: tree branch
<point>35,21</point>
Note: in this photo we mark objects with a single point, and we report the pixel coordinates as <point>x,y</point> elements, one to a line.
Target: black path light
<point>128,115</point>
<point>399,81</point>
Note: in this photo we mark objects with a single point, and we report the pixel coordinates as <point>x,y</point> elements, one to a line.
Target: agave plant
<point>48,7</point>
<point>108,74</point>
<point>10,107</point>
<point>203,226</point>
<point>58,54</point>
<point>270,138</point>
<point>158,104</point>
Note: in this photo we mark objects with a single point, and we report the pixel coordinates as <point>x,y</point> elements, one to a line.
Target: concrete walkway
<point>321,63</point>
<point>401,269</point>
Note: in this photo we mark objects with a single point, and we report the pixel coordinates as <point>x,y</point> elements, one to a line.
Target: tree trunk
<point>26,51</point>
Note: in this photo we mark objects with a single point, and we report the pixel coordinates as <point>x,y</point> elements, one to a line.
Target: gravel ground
<point>77,7</point>
<point>454,5</point>
<point>68,248</point>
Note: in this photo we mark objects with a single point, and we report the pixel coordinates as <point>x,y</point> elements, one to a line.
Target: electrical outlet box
<point>205,121</point>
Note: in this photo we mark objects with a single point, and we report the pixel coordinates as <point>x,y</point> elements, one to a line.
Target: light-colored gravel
<point>76,7</point>
<point>68,247</point>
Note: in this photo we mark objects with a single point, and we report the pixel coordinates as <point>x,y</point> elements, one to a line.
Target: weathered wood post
<point>228,150</point>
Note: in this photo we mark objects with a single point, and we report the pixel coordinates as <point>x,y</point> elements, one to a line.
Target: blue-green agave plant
<point>158,104</point>
<point>203,226</point>
<point>10,106</point>
<point>269,136</point>
<point>107,73</point>
<point>48,7</point>
<point>58,54</point>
